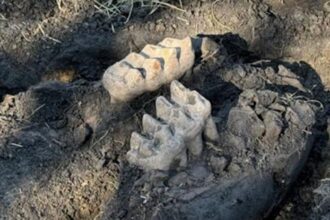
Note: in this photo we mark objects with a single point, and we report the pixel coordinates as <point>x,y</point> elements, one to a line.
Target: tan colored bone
<point>148,70</point>
<point>168,57</point>
<point>198,107</point>
<point>160,151</point>
<point>185,49</point>
<point>188,128</point>
<point>185,117</point>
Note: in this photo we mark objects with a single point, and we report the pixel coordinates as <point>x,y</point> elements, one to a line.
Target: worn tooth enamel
<point>189,128</point>
<point>158,64</point>
<point>168,57</point>
<point>192,101</point>
<point>185,49</point>
<point>137,140</point>
<point>135,60</point>
<point>134,79</point>
<point>151,125</point>
<point>197,106</point>
<point>183,120</point>
<point>154,74</point>
<point>115,81</point>
<point>161,151</point>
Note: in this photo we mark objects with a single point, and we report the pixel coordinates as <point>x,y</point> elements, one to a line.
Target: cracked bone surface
<point>184,118</point>
<point>159,149</point>
<point>148,70</point>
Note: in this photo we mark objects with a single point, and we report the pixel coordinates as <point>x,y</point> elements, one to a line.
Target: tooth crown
<point>186,55</point>
<point>159,151</point>
<point>191,101</point>
<point>148,70</point>
<point>198,107</point>
<point>184,118</point>
<point>177,118</point>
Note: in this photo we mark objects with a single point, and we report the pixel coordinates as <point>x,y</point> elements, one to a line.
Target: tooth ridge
<point>171,59</point>
<point>169,145</point>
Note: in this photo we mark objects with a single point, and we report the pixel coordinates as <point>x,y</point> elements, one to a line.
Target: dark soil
<point>62,147</point>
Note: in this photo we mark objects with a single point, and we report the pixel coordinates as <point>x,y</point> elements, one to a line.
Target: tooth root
<point>183,159</point>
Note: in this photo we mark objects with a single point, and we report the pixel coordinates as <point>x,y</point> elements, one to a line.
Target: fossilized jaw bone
<point>155,66</point>
<point>184,118</point>
<point>159,152</point>
<point>197,106</point>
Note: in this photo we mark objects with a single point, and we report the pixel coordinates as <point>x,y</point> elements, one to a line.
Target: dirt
<point>62,152</point>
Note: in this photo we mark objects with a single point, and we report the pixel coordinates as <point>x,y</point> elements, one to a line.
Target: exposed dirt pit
<point>76,47</point>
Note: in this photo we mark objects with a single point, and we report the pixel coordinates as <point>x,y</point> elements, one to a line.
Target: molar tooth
<point>158,153</point>
<point>141,145</point>
<point>184,120</point>
<point>151,125</point>
<point>197,106</point>
<point>154,74</point>
<point>163,106</point>
<point>186,51</point>
<point>168,57</point>
<point>192,101</point>
<point>135,59</point>
<point>114,81</point>
<point>134,82</point>
<point>185,126</point>
<point>158,64</point>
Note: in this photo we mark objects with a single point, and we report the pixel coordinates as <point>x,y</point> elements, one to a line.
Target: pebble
<point>218,164</point>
